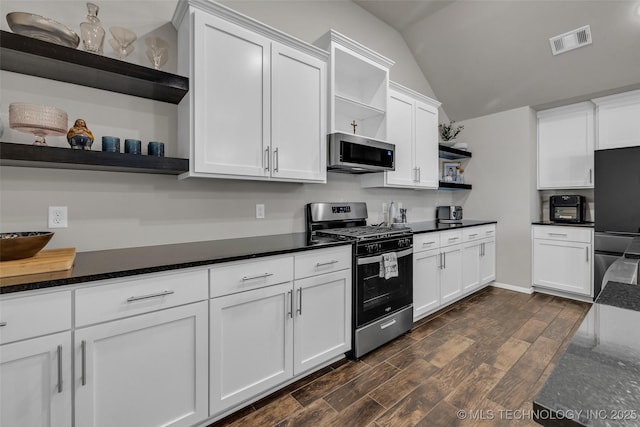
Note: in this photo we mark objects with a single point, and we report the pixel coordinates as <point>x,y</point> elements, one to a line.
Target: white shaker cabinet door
<point>488,261</point>
<point>426,145</point>
<point>148,370</point>
<point>322,328</point>
<point>35,382</point>
<point>231,91</point>
<point>400,133</point>
<point>451,273</point>
<point>565,147</point>
<point>298,121</point>
<point>251,344</point>
<point>563,266</point>
<point>426,282</point>
<point>471,254</point>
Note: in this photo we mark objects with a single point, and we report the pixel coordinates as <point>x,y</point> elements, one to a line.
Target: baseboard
<point>528,290</point>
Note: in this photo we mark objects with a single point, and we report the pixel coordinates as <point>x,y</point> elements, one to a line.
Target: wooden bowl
<point>22,244</point>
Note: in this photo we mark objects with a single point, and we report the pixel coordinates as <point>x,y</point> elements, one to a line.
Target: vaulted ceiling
<point>485,56</point>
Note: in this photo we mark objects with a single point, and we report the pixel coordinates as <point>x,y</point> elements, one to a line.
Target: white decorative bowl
<point>40,120</point>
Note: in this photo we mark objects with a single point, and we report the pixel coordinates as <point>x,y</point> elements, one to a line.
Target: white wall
<point>111,210</point>
<point>503,174</point>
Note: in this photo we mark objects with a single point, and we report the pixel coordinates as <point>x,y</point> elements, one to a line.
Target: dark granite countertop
<point>564,224</point>
<point>434,225</point>
<point>596,382</point>
<point>114,263</point>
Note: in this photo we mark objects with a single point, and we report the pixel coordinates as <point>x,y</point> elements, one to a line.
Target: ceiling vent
<point>571,40</point>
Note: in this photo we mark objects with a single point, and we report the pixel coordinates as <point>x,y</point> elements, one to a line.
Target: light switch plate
<point>259,211</point>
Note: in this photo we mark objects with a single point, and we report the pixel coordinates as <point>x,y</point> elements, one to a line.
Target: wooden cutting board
<point>44,261</point>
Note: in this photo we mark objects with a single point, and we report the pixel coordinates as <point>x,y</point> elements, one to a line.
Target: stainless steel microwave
<point>357,154</point>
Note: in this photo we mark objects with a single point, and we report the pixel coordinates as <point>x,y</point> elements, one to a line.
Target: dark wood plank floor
<point>487,355</point>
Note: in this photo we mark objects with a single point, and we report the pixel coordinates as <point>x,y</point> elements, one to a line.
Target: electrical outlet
<point>259,211</point>
<point>58,217</point>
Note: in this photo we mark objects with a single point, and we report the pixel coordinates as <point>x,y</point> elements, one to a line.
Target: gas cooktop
<point>365,232</point>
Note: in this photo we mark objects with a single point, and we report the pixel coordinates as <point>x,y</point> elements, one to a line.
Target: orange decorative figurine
<point>79,136</point>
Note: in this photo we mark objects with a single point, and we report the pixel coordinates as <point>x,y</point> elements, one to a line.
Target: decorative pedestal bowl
<point>40,120</point>
<point>21,245</point>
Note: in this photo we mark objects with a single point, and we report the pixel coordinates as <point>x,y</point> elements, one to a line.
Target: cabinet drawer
<point>569,234</point>
<point>31,316</point>
<point>246,275</point>
<point>453,237</point>
<point>481,232</point>
<point>110,301</point>
<point>321,261</point>
<point>426,241</point>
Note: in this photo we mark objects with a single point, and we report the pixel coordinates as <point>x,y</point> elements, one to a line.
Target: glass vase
<point>91,31</point>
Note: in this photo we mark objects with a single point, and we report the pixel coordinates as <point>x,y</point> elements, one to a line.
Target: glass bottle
<point>91,31</point>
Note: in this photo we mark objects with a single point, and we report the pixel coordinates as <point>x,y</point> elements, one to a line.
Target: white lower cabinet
<point>147,370</point>
<point>265,336</point>
<point>35,385</point>
<point>562,259</point>
<point>449,265</point>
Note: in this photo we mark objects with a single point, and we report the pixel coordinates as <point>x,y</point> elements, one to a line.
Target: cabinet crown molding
<point>334,36</point>
<point>412,93</point>
<point>632,96</point>
<point>580,106</point>
<point>230,15</point>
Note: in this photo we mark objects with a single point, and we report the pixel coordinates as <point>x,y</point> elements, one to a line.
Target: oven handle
<point>378,258</point>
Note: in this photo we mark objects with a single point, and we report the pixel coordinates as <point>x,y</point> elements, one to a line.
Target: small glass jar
<point>92,31</point>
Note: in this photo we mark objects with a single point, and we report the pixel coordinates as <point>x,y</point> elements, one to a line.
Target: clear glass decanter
<point>92,31</point>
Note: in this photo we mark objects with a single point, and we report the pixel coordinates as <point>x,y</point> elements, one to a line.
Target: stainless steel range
<point>382,273</point>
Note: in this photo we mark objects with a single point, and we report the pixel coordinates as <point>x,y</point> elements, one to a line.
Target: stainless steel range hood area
<point>357,155</point>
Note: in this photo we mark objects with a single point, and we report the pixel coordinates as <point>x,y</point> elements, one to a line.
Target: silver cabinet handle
<point>473,235</point>
<point>83,345</point>
<point>333,261</point>
<point>558,234</point>
<point>259,276</point>
<point>290,312</point>
<point>587,251</point>
<point>415,174</point>
<point>590,176</point>
<point>3,324</point>
<point>419,174</point>
<point>267,162</point>
<point>299,310</point>
<point>483,249</point>
<point>451,239</point>
<point>444,257</point>
<point>276,160</point>
<point>440,260</point>
<point>59,369</point>
<point>141,297</point>
<point>427,243</point>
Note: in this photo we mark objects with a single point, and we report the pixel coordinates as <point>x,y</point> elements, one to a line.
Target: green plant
<point>449,131</point>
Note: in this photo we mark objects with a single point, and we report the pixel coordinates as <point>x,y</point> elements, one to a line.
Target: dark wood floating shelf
<point>453,186</point>
<point>451,153</point>
<point>65,158</point>
<point>38,58</point>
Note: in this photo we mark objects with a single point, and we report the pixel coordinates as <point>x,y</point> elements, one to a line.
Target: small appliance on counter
<point>449,214</point>
<point>567,209</point>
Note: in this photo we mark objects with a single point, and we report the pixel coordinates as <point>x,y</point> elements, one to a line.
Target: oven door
<point>376,296</point>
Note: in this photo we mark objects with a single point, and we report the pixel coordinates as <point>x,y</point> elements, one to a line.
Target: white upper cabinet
<point>256,107</point>
<point>413,128</point>
<point>617,120</point>
<point>358,87</point>
<point>565,147</point>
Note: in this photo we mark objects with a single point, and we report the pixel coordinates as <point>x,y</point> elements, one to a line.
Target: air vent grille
<point>571,40</point>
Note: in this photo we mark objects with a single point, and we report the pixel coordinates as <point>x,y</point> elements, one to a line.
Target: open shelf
<point>451,153</point>
<point>26,55</point>
<point>66,158</point>
<point>453,186</point>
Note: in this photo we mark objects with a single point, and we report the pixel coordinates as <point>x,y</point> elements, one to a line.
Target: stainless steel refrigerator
<point>617,206</point>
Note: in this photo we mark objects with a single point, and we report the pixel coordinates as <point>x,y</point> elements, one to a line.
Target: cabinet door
<point>251,344</point>
<point>298,115</point>
<point>426,145</point>
<point>35,386</point>
<point>488,261</point>
<point>471,254</point>
<point>147,370</point>
<point>563,266</point>
<point>231,90</point>
<point>451,274</point>
<point>565,147</point>
<point>322,327</point>
<point>426,283</point>
<point>618,124</point>
<point>400,133</point>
